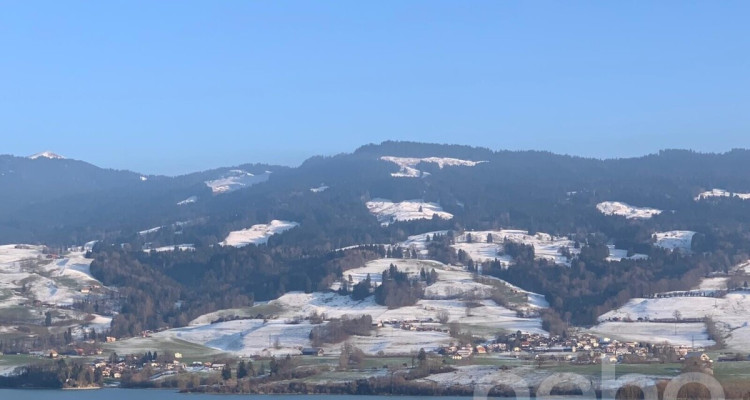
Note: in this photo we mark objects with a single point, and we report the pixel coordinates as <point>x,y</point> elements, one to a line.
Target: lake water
<point>142,394</point>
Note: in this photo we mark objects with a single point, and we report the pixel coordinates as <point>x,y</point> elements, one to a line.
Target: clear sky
<point>177,86</point>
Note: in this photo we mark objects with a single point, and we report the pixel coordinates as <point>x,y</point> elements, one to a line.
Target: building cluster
<point>582,348</point>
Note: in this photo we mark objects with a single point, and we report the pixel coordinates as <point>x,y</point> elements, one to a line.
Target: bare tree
<point>443,316</point>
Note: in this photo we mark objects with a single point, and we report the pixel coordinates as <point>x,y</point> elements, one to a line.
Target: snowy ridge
<point>408,165</point>
<point>149,231</point>
<point>189,200</point>
<point>236,179</point>
<point>721,193</point>
<point>387,211</point>
<point>257,234</point>
<point>626,210</point>
<point>47,154</point>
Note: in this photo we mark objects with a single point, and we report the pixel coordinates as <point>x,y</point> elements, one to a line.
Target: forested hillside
<point>327,197</point>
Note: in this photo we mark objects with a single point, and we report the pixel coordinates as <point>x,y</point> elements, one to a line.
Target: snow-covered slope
<point>387,211</point>
<point>236,179</point>
<point>721,193</point>
<point>729,310</point>
<point>55,281</point>
<point>626,210</point>
<point>47,154</point>
<point>149,231</point>
<point>674,240</point>
<point>545,245</point>
<point>449,295</point>
<point>682,334</point>
<point>481,249</point>
<point>408,165</point>
<point>619,255</point>
<point>189,200</point>
<point>257,234</point>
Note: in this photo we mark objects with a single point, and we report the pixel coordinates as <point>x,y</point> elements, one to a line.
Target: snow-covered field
<point>626,210</point>
<point>27,275</point>
<point>450,296</point>
<point>408,165</point>
<point>453,282</point>
<point>42,278</point>
<point>480,249</point>
<point>247,337</point>
<point>387,211</point>
<point>721,193</point>
<point>236,179</point>
<point>257,234</point>
<point>680,334</point>
<point>619,255</point>
<point>545,245</point>
<point>253,337</point>
<point>674,240</point>
<point>729,312</point>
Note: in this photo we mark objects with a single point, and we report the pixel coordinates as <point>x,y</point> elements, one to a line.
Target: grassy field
<point>666,369</point>
<point>10,362</point>
<point>732,371</point>
<point>190,351</point>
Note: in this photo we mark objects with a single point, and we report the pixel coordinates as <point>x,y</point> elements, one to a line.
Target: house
<point>699,360</point>
<point>312,351</point>
<point>697,356</point>
<point>465,351</point>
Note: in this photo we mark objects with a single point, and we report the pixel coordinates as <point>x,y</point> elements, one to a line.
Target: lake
<point>145,394</point>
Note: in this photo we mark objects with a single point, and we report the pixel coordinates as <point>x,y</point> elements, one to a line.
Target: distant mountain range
<point>47,197</point>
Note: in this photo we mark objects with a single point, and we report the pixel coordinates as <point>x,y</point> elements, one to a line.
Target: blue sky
<point>177,86</point>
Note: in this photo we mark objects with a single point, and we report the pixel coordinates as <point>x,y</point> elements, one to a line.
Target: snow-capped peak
<point>47,154</point>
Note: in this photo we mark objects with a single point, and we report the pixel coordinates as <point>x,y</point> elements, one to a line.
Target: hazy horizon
<point>241,162</point>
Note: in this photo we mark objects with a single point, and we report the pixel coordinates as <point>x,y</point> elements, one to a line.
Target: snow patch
<point>674,240</point>
<point>179,247</point>
<point>626,210</point>
<point>189,200</point>
<point>47,154</point>
<point>408,165</point>
<point>721,193</point>
<point>257,234</point>
<point>388,212</point>
<point>319,189</point>
<point>149,231</point>
<point>681,334</point>
<point>236,179</point>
